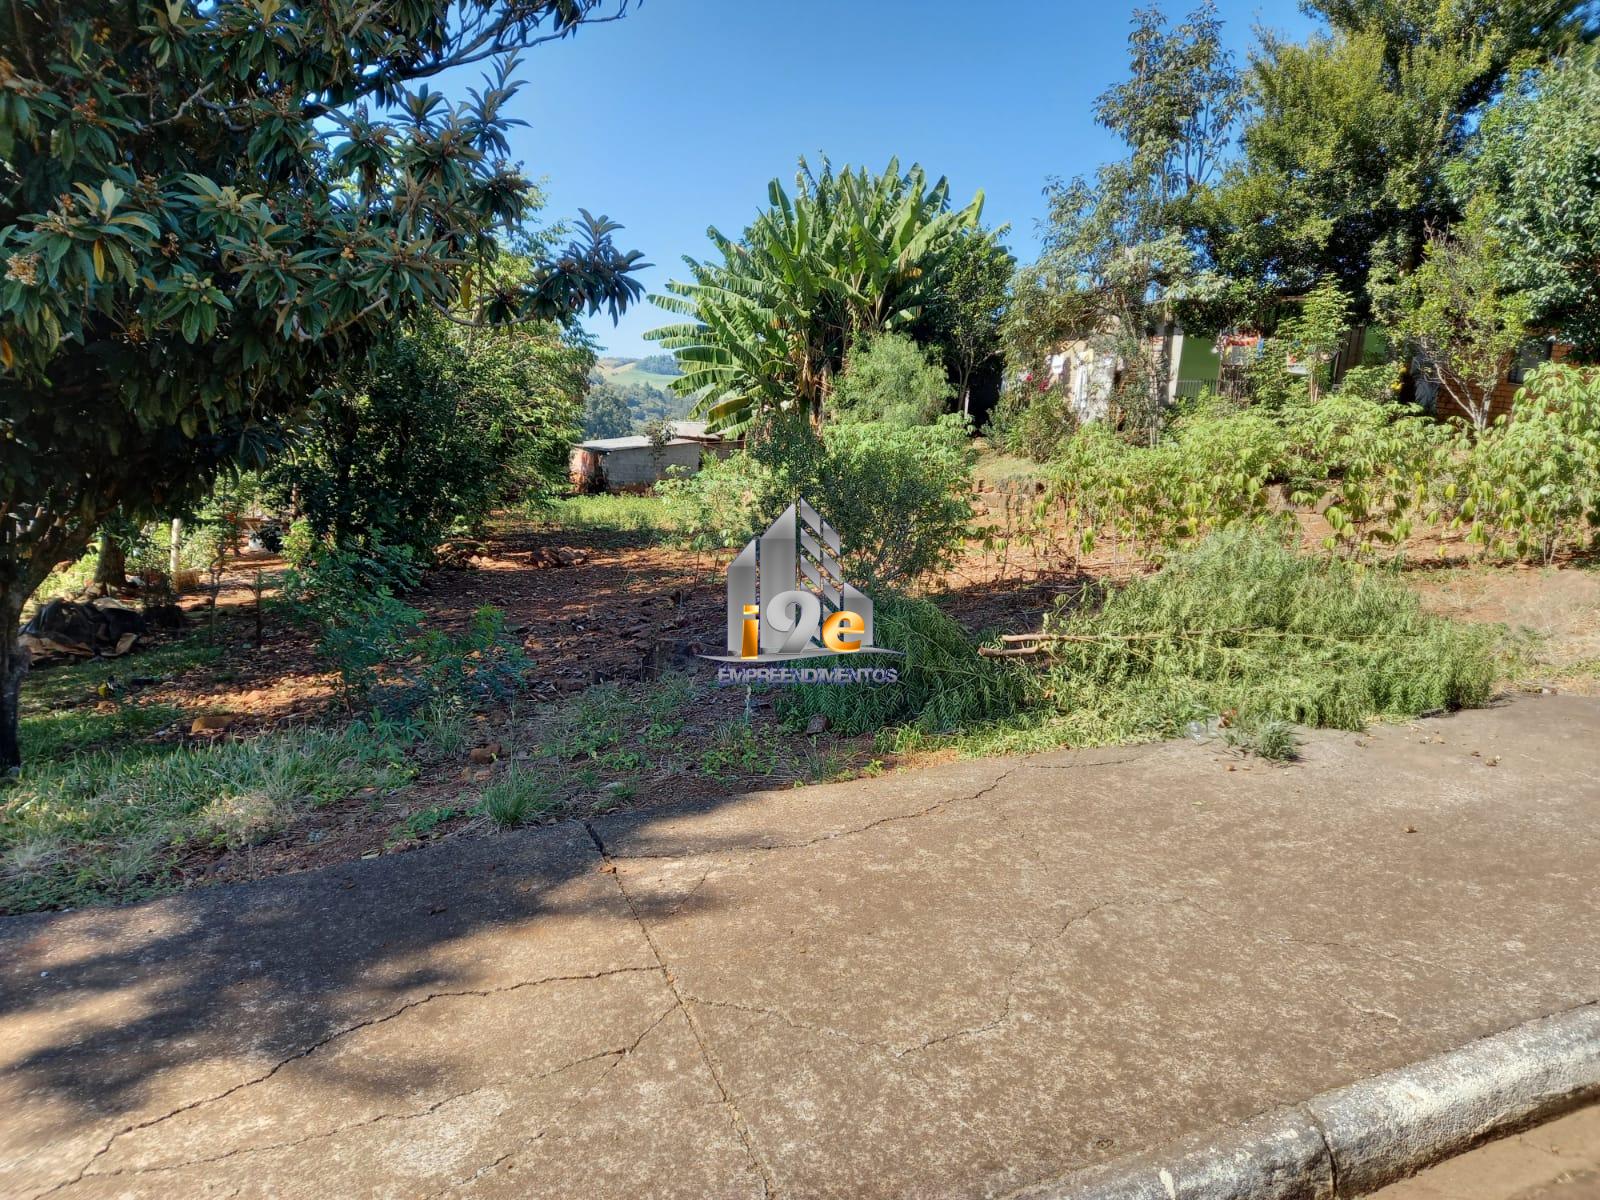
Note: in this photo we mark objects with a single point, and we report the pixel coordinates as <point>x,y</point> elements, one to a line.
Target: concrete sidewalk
<point>955,982</point>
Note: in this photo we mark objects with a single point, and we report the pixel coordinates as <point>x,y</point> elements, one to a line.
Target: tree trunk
<point>174,553</point>
<point>13,666</point>
<point>112,567</point>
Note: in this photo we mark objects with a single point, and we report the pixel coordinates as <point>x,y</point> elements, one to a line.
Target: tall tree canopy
<point>1121,246</point>
<point>1537,169</point>
<point>849,256</point>
<point>206,207</point>
<point>1345,152</point>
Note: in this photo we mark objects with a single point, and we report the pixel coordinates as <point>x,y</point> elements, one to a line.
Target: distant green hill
<point>625,393</point>
<point>658,371</point>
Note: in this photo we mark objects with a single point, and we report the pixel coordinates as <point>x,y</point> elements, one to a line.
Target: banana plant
<point>768,324</point>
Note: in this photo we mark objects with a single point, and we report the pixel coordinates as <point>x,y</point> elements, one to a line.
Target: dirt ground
<point>628,609</point>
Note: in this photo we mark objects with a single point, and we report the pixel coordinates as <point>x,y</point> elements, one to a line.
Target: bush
<point>1209,472</point>
<point>897,496</point>
<point>375,641</point>
<point>1032,423</point>
<point>1531,486</point>
<point>433,431</point>
<point>893,381</point>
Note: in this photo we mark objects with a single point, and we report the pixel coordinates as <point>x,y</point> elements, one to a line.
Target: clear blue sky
<point>676,117</point>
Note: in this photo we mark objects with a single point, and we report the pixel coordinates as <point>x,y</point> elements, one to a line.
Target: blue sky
<point>676,117</point>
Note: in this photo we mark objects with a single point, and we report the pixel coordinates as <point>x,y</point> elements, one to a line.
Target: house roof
<point>683,433</point>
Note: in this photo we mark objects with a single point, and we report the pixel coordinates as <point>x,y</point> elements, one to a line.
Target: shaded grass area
<point>94,705</point>
<point>112,826</point>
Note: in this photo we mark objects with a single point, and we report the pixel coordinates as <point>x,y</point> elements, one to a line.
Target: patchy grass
<point>49,736</point>
<point>63,686</point>
<point>519,795</point>
<point>633,519</point>
<point>112,827</point>
<point>93,705</point>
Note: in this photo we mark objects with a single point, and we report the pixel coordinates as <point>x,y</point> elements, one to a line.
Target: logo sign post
<point>788,601</point>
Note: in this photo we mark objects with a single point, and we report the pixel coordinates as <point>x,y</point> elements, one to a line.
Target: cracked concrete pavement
<point>955,982</point>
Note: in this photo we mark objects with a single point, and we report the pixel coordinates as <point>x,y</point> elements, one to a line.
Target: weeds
<point>517,796</point>
<point>1274,741</point>
<point>109,827</point>
<point>634,519</point>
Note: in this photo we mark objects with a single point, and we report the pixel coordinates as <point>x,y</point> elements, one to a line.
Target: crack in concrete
<point>777,1014</point>
<point>897,1050</point>
<point>1007,1010</point>
<point>621,1056</point>
<point>384,1018</point>
<point>765,847</point>
<point>741,1127</point>
<point>1289,939</point>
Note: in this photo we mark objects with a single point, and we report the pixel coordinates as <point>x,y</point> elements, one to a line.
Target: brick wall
<point>1503,396</point>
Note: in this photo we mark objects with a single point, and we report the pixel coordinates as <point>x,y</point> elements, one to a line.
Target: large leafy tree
<point>849,256</point>
<point>1350,136</point>
<point>206,207</point>
<point>1537,168</point>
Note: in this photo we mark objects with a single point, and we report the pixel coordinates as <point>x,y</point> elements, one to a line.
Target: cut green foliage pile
<point>109,827</point>
<point>1243,626</point>
<point>944,685</point>
<point>1238,626</point>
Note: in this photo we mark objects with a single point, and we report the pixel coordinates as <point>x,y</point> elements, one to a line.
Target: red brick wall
<point>1503,396</point>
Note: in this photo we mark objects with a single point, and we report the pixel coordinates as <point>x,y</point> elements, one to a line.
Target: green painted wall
<point>1198,359</point>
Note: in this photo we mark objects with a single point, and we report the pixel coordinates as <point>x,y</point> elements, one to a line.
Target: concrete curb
<point>1350,1142</point>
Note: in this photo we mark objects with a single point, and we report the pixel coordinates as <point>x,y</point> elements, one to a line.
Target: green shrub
<point>893,381</point>
<point>1032,423</point>
<point>899,497</point>
<point>1531,481</point>
<point>1210,471</point>
<point>376,643</point>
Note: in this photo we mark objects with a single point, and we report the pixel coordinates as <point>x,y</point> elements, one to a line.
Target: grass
<point>47,737</point>
<point>518,795</point>
<point>57,687</point>
<point>80,707</point>
<point>113,827</point>
<point>636,519</point>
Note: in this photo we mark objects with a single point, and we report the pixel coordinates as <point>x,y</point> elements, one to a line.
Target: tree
<point>1350,136</point>
<point>1125,239</point>
<point>606,413</point>
<point>1313,335</point>
<point>431,432</point>
<point>849,256</point>
<point>890,379</point>
<point>1537,164</point>
<point>969,308</point>
<point>205,208</point>
<point>1456,311</point>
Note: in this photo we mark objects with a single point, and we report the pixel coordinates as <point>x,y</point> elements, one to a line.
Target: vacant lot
<point>619,712</point>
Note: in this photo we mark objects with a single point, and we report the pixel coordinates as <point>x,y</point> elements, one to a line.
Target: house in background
<point>636,463</point>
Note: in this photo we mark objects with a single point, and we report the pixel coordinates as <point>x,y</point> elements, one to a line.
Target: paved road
<point>1557,1161</point>
<point>948,983</point>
